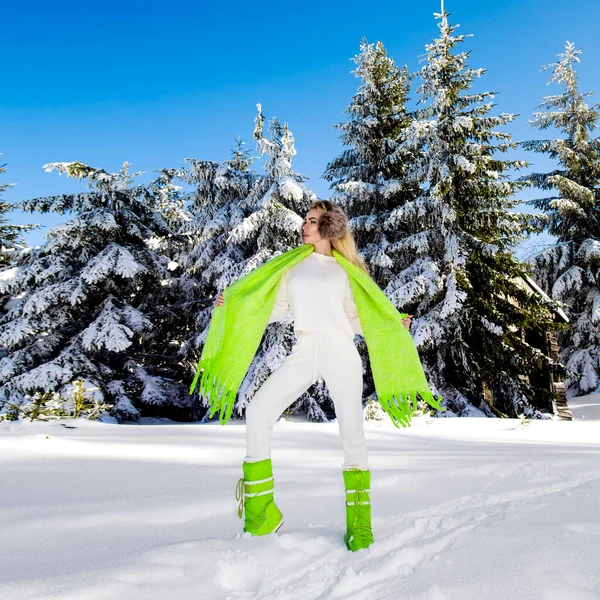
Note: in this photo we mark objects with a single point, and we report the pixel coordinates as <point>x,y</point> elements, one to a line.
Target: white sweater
<point>318,294</point>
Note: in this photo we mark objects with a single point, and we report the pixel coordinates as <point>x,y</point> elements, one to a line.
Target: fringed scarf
<point>237,327</point>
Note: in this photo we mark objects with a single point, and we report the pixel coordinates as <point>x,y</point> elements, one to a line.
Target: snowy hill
<point>463,509</point>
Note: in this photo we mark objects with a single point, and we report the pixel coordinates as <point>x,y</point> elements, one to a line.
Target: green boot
<point>358,509</point>
<point>255,494</point>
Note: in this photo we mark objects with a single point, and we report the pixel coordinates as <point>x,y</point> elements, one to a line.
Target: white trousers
<point>330,355</point>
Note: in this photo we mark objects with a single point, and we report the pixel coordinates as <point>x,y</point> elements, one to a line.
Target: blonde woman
<point>318,293</point>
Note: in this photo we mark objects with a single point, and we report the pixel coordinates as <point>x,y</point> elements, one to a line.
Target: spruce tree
<point>243,219</point>
<point>458,273</point>
<point>368,178</point>
<point>92,303</point>
<point>569,269</point>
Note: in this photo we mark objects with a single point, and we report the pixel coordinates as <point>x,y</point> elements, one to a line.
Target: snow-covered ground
<point>463,509</point>
<point>585,408</point>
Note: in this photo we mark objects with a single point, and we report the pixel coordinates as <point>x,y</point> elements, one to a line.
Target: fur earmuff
<point>333,224</point>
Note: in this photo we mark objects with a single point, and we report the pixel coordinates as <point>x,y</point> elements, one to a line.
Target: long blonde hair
<point>345,245</point>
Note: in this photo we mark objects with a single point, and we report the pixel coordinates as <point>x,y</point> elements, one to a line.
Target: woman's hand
<point>406,321</point>
<point>220,300</point>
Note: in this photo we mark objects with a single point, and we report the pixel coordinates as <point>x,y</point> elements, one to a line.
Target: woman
<point>317,291</point>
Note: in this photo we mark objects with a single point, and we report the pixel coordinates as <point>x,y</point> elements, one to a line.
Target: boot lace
<point>239,495</point>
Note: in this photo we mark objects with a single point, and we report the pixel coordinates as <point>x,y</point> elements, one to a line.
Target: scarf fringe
<point>220,395</point>
<point>401,407</point>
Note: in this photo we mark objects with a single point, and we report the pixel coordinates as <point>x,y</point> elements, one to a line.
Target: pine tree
<point>569,270</point>
<point>243,219</point>
<point>369,177</point>
<point>93,303</point>
<point>458,273</point>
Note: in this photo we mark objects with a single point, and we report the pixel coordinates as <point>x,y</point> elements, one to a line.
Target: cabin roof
<point>527,282</point>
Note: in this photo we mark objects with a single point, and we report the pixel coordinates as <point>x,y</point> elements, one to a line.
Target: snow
<point>586,408</point>
<point>463,509</point>
<point>290,189</point>
<point>113,259</point>
<point>589,251</point>
<point>571,280</point>
<point>106,331</point>
<point>8,274</point>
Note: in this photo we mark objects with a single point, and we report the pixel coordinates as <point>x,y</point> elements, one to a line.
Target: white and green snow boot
<point>358,509</point>
<point>255,495</point>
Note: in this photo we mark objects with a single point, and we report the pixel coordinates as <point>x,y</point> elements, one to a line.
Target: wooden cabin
<point>548,344</point>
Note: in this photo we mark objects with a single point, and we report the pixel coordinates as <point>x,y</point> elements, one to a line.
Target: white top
<point>318,294</point>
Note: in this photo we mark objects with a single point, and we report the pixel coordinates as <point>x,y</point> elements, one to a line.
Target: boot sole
<point>278,526</point>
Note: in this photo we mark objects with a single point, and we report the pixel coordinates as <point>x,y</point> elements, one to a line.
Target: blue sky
<point>155,82</point>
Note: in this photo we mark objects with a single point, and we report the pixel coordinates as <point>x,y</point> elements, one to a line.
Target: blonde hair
<point>346,245</point>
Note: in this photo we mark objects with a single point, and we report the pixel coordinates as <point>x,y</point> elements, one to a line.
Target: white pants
<point>330,355</point>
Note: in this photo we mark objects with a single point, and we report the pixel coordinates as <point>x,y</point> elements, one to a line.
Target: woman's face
<point>310,231</point>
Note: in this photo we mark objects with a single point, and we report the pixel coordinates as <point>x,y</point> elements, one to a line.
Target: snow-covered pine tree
<point>243,219</point>
<point>458,273</point>
<point>11,235</point>
<point>570,269</point>
<point>92,303</point>
<point>368,177</point>
<point>177,309</point>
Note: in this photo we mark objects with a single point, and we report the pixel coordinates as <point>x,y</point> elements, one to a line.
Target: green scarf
<point>237,327</point>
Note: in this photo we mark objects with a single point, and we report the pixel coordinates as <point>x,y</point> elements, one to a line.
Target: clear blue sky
<point>155,82</point>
